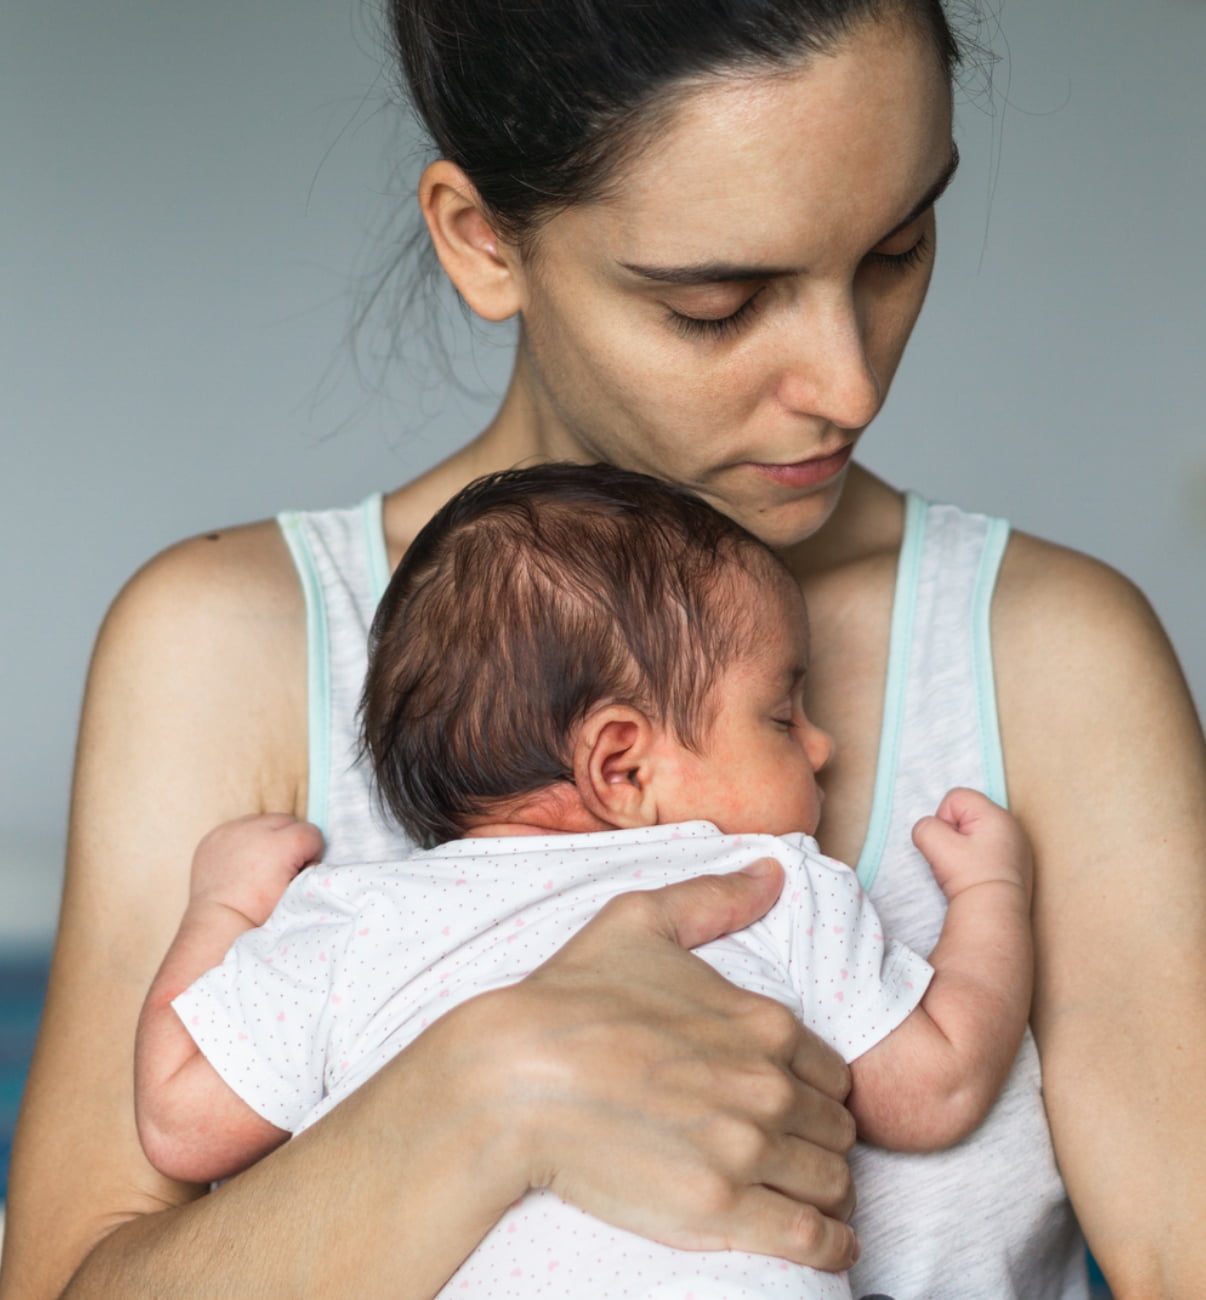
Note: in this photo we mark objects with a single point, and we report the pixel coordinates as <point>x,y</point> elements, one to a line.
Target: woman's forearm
<point>364,1200</point>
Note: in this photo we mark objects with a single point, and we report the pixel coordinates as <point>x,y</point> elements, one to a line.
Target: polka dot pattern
<point>357,960</point>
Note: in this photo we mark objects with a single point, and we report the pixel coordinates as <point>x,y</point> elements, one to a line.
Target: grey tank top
<point>985,1220</point>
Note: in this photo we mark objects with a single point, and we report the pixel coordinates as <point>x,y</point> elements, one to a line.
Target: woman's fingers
<point>816,1064</point>
<point>797,1148</point>
<point>811,1175</point>
<point>769,1223</point>
<point>653,1093</point>
<point>694,912</point>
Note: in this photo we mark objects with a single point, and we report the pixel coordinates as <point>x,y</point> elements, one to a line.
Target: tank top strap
<point>940,730</point>
<point>940,725</point>
<point>341,563</point>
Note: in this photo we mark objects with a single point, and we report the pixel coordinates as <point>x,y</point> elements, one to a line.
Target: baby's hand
<point>971,840</point>
<point>247,863</point>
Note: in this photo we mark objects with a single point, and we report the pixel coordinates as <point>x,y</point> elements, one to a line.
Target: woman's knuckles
<point>713,1199</point>
<point>832,1186</point>
<point>835,1127</point>
<point>802,1171</point>
<point>638,910</point>
<point>807,1228</point>
<point>771,1095</point>
<point>771,1025</point>
<point>741,1147</point>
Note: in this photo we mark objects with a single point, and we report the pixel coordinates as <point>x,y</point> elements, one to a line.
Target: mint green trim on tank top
<point>986,691</point>
<point>900,646</point>
<point>372,519</point>
<point>318,675</point>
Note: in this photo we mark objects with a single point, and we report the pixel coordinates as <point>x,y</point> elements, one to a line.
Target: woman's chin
<point>793,519</point>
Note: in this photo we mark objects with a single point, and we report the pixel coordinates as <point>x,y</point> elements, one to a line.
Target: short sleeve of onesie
<point>855,985</point>
<point>262,1018</point>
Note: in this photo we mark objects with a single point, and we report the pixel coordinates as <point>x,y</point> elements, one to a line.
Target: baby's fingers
<point>300,843</point>
<point>933,834</point>
<point>962,809</point>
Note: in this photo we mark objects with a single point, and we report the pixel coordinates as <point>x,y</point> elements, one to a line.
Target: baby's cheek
<point>731,811</point>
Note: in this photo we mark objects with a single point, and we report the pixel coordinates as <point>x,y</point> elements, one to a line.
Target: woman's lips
<point>807,473</point>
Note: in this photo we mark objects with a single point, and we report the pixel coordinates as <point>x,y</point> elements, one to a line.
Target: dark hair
<point>540,101</point>
<point>528,599</point>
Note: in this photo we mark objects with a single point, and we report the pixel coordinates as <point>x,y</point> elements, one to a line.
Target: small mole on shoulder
<point>213,537</point>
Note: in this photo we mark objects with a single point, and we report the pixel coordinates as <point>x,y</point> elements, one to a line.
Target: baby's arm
<point>933,1079</point>
<point>191,1124</point>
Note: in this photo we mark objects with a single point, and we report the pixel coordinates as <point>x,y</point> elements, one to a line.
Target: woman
<point>718,234</point>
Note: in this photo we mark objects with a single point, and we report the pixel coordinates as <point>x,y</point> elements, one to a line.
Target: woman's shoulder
<point>206,644</point>
<point>1087,682</point>
<point>229,572</point>
<point>1051,599</point>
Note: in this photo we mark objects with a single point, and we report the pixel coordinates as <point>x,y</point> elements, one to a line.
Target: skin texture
<point>196,714</point>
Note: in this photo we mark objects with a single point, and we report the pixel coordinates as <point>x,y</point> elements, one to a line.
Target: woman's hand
<point>649,1091</point>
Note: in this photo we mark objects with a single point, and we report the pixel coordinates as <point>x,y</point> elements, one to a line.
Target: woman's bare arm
<point>161,758</point>
<point>1107,771</point>
<point>195,714</point>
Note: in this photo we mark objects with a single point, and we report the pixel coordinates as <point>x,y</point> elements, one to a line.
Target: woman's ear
<point>482,266</point>
<point>615,766</point>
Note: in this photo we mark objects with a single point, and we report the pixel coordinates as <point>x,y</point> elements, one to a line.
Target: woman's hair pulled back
<point>540,101</point>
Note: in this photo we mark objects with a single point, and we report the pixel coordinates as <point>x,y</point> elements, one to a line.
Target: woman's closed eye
<point>722,327</point>
<point>906,260</point>
<point>714,327</point>
<point>907,248</point>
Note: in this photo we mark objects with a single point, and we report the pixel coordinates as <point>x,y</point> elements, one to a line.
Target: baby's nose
<point>820,748</point>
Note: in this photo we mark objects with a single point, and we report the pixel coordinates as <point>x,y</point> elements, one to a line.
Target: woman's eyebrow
<point>732,272</point>
<point>932,195</point>
<point>710,272</point>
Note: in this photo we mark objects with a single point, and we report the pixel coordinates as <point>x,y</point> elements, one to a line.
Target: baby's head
<point>581,647</point>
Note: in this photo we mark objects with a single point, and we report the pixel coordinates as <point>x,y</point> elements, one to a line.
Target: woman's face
<point>732,318</point>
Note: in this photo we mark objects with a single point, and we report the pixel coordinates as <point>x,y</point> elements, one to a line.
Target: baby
<point>582,682</point>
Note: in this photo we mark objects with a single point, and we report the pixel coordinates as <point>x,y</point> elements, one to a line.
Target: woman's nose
<point>828,374</point>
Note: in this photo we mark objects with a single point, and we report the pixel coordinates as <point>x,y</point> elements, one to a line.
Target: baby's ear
<point>615,766</point>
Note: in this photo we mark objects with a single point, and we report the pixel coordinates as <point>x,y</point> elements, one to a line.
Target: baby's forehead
<point>765,580</point>
<point>773,607</point>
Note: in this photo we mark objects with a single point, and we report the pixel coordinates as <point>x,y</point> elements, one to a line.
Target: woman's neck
<point>521,432</point>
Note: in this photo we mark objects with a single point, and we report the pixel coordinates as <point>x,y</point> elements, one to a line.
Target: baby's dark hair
<point>530,598</point>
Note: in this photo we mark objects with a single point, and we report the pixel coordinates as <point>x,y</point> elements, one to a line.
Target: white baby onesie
<point>357,960</point>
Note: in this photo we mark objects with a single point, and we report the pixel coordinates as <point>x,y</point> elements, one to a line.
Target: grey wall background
<point>194,196</point>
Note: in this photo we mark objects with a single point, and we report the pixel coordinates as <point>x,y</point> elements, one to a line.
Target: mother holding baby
<point>715,221</point>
